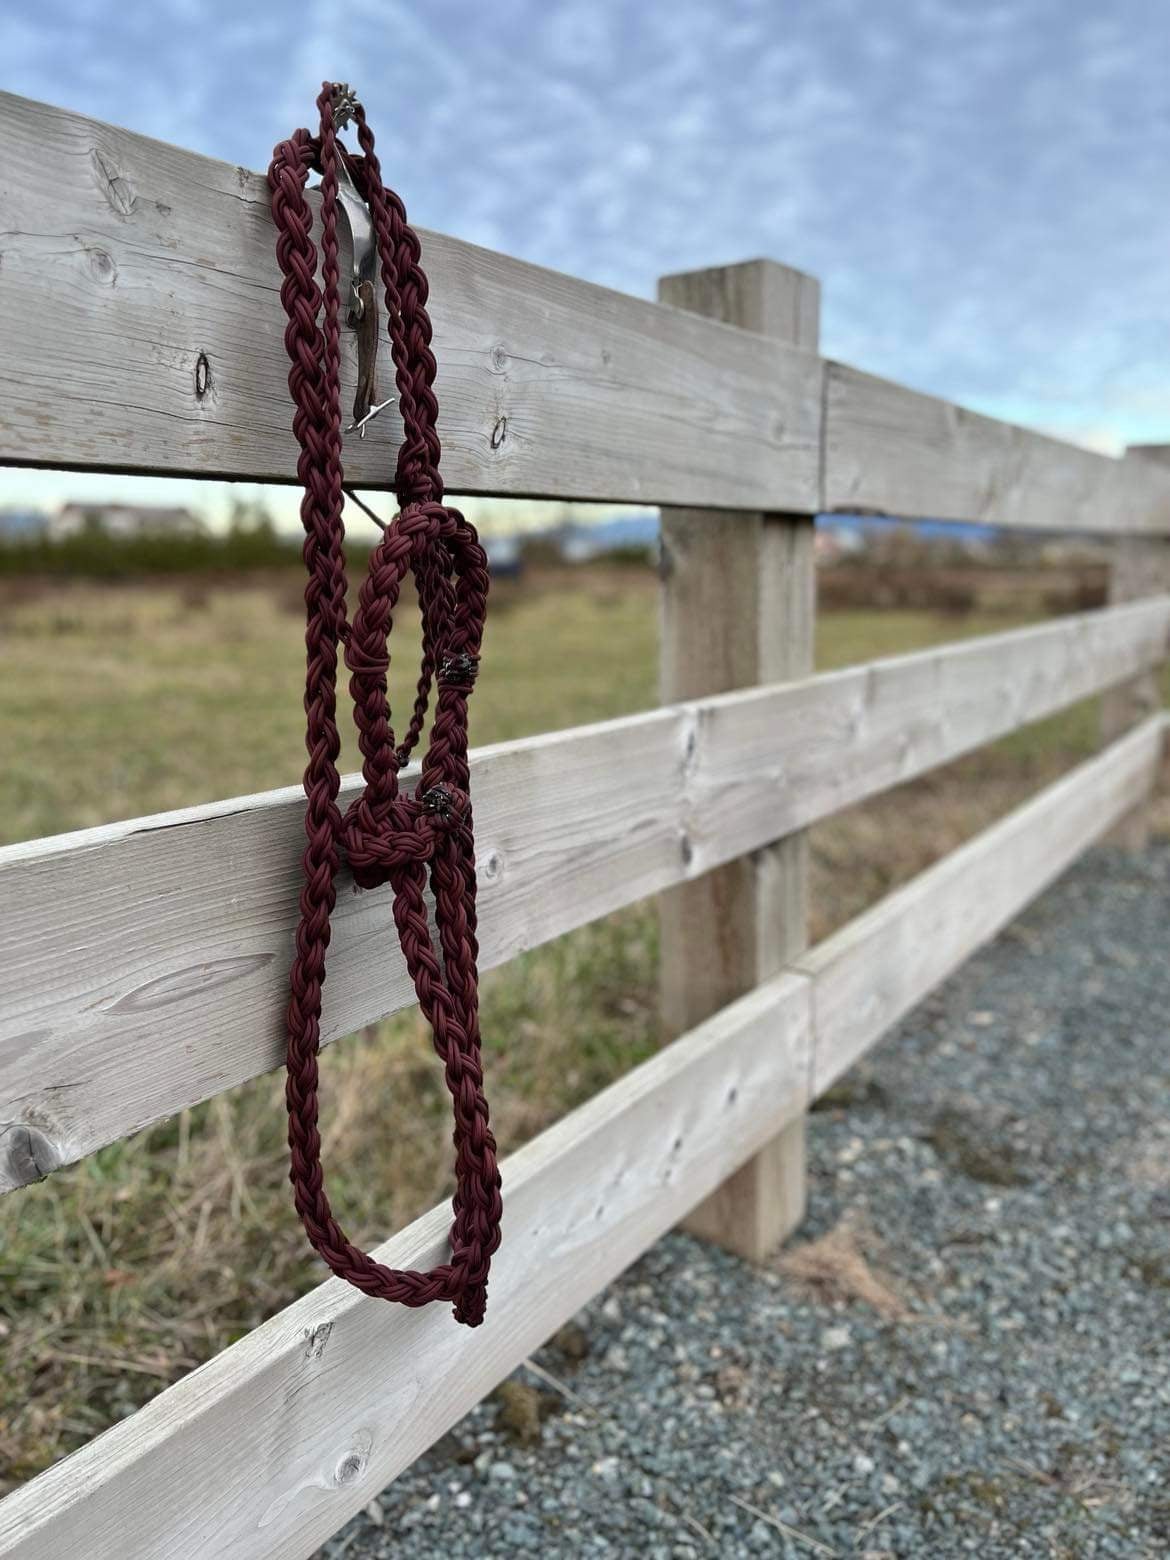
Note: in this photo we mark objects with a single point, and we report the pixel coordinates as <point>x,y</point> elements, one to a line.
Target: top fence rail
<point>142,332</point>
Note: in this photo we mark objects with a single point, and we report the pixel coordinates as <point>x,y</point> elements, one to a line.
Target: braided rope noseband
<point>386,836</point>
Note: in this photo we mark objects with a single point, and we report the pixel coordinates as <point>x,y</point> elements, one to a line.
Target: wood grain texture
<point>140,330</point>
<point>270,1447</point>
<point>877,968</point>
<point>1140,567</point>
<point>785,757</point>
<point>146,962</point>
<point>738,608</point>
<point>128,262</point>
<point>890,450</point>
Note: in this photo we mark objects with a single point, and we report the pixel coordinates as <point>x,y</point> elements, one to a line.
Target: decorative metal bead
<point>459,671</point>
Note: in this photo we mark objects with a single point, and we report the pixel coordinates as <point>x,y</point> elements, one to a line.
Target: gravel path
<point>967,1351</point>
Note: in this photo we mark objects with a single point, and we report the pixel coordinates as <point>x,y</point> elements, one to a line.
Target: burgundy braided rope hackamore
<point>385,835</point>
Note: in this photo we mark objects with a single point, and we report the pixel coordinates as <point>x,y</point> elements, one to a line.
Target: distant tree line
<point>250,543</point>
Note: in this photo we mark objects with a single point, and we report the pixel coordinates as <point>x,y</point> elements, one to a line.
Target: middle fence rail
<point>145,961</point>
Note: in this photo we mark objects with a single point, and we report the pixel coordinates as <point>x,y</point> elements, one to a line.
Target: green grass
<point>119,1274</point>
<point>93,555</point>
<point>120,700</point>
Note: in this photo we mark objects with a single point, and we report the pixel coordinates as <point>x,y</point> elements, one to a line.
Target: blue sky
<point>980,186</point>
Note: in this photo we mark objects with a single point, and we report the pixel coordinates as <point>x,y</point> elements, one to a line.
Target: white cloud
<point>977,185</point>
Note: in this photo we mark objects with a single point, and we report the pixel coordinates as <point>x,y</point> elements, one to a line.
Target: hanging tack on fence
<point>386,836</point>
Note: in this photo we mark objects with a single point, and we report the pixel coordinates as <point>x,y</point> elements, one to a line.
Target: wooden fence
<point>145,963</point>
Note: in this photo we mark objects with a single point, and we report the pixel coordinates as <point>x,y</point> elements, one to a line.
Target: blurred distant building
<point>585,542</point>
<point>124,520</point>
<point>838,536</point>
<point>828,545</point>
<point>23,525</point>
<point>504,555</point>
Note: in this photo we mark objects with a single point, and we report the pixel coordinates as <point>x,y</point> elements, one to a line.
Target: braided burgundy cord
<point>386,836</point>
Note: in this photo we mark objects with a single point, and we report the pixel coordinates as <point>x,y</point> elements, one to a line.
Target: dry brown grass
<point>1149,1157</point>
<point>838,1269</point>
<point>121,1273</point>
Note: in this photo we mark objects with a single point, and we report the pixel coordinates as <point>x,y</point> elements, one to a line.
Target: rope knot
<point>377,844</point>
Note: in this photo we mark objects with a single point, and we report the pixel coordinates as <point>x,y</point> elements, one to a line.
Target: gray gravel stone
<point>1000,1167</point>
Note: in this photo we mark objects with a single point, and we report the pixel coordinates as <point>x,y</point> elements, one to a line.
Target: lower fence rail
<point>271,1446</point>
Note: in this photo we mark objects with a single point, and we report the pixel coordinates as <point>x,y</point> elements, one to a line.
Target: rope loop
<point>413,842</point>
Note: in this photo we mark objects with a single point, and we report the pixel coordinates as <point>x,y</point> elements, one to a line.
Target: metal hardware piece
<point>362,308</point>
<point>361,232</point>
<point>360,423</point>
<point>345,104</point>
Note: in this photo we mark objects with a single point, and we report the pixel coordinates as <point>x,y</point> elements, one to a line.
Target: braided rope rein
<point>386,836</point>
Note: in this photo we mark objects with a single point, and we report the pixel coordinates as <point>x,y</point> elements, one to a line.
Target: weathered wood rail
<point>163,351</point>
<point>145,962</point>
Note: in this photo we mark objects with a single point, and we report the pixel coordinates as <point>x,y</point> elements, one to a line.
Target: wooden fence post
<point>738,604</point>
<point>1140,566</point>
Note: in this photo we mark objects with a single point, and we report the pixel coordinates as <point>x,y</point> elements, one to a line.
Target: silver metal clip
<point>361,232</point>
<point>362,311</point>
<point>353,208</point>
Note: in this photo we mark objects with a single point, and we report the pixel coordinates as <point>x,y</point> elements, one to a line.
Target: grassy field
<point>119,1274</point>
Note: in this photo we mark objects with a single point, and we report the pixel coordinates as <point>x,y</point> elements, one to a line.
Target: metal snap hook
<point>362,310</point>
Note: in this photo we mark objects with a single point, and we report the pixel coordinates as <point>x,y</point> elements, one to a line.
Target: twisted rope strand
<point>385,836</point>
